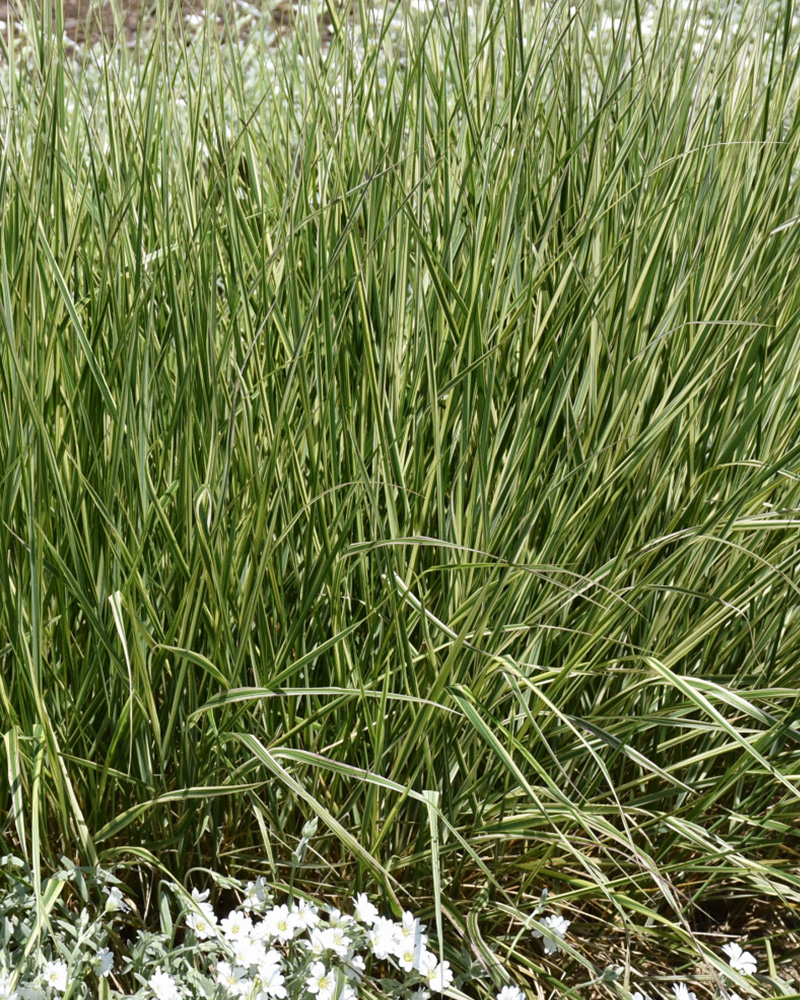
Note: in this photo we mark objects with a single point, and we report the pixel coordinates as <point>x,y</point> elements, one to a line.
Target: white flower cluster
<point>261,951</point>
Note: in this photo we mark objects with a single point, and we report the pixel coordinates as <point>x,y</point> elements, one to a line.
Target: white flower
<point>364,911</point>
<point>228,975</point>
<point>200,897</point>
<point>321,982</point>
<point>382,938</point>
<point>105,963</point>
<point>511,993</point>
<point>682,992</point>
<point>54,975</point>
<point>739,960</point>
<point>355,967</point>
<point>305,913</point>
<point>247,952</point>
<point>410,928</point>
<point>409,957</point>
<point>409,940</point>
<point>272,981</point>
<point>437,974</point>
<point>442,979</point>
<point>203,922</point>
<point>336,939</point>
<point>255,895</point>
<point>270,960</point>
<point>6,993</point>
<point>316,943</point>
<point>164,986</point>
<point>115,901</point>
<point>280,923</point>
<point>556,931</point>
<point>236,925</point>
<point>338,919</point>
<point>260,932</point>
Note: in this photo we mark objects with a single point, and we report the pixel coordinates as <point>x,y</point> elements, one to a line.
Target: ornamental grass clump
<point>402,430</point>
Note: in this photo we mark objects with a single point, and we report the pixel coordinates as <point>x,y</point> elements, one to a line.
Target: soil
<point>84,18</point>
<point>88,19</point>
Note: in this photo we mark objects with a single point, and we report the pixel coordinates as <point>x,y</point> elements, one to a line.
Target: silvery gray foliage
<point>55,936</point>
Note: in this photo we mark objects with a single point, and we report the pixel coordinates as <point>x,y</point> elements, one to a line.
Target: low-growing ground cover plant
<point>400,430</point>
<point>53,946</point>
